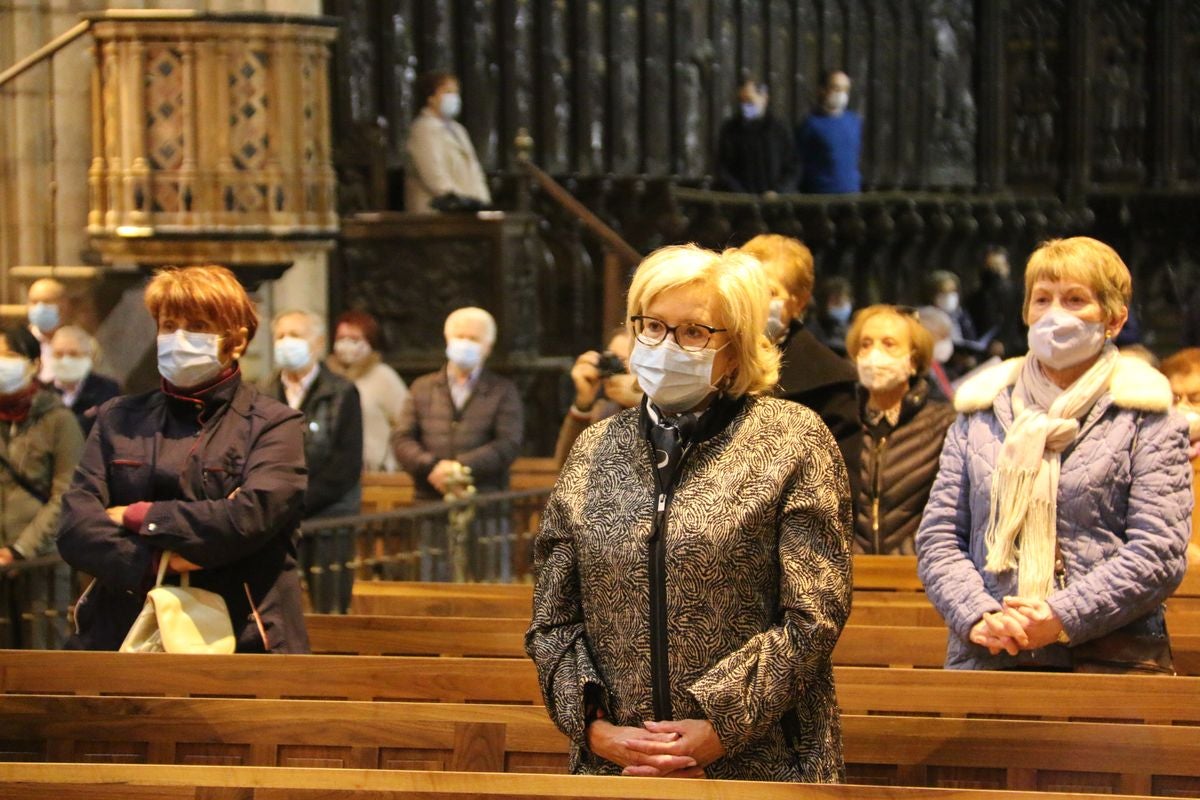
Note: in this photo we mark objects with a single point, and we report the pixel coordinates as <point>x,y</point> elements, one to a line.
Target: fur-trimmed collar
<point>1134,385</point>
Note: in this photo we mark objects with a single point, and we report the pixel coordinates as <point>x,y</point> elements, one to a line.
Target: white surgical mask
<point>942,350</point>
<point>14,374</point>
<point>947,301</point>
<point>450,105</point>
<point>751,110</point>
<point>44,316</point>
<point>836,102</point>
<point>351,351</point>
<point>71,369</point>
<point>674,379</point>
<point>466,354</point>
<point>292,353</point>
<point>775,326</point>
<point>1060,339</point>
<point>878,370</point>
<point>188,359</point>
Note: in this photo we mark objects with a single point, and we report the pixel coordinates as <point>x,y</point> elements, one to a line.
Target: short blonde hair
<point>1087,261</point>
<point>208,292</point>
<point>737,282</point>
<point>788,262</point>
<point>922,339</point>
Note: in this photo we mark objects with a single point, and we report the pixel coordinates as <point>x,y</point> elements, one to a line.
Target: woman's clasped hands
<point>671,749</point>
<point>1023,624</point>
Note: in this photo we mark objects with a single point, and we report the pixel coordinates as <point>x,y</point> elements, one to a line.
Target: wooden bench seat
<point>912,750</point>
<point>861,690</point>
<point>387,491</point>
<point>156,782</point>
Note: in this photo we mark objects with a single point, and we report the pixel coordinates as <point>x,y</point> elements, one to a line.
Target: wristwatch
<point>1062,637</point>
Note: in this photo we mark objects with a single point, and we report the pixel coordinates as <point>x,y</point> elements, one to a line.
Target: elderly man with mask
<point>461,415</point>
<point>44,305</point>
<point>72,360</point>
<point>332,445</point>
<point>754,148</point>
<point>829,140</point>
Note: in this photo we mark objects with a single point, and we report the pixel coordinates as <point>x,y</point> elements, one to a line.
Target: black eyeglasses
<point>691,336</point>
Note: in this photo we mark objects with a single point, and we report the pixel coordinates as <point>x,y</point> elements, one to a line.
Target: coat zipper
<point>660,681</point>
<point>877,490</point>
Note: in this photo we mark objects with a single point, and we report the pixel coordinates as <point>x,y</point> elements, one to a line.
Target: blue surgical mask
<point>292,353</point>
<point>841,313</point>
<point>44,316</point>
<point>466,354</point>
<point>14,374</point>
<point>188,359</point>
<point>775,325</point>
<point>751,111</point>
<point>450,105</point>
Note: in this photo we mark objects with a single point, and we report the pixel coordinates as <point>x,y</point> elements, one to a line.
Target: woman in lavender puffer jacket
<point>1059,520</point>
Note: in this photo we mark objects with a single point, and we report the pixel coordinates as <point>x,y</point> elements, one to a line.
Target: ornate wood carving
<point>952,114</point>
<point>1119,91</point>
<point>1036,64</point>
<point>1190,106</point>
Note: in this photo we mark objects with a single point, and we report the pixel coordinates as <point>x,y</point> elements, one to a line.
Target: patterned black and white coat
<point>750,592</point>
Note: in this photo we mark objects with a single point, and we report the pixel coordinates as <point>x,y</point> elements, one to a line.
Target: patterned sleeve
<point>748,691</point>
<point>557,639</point>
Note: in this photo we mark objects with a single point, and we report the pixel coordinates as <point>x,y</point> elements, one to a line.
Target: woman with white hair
<point>1059,519</point>
<point>693,563</point>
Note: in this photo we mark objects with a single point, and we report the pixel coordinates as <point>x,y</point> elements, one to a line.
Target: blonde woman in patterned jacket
<point>693,564</point>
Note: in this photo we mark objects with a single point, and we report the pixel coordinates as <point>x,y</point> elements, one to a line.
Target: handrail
<point>45,51</point>
<point>612,240</point>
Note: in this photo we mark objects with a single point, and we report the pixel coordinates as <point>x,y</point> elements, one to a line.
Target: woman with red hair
<point>205,468</point>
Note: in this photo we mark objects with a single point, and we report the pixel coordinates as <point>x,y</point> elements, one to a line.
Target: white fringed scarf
<point>1021,530</point>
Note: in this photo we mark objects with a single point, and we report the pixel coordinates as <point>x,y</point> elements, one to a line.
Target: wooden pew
<point>387,491</point>
<point>1009,753</point>
<point>865,645</point>
<point>156,782</point>
<point>861,690</point>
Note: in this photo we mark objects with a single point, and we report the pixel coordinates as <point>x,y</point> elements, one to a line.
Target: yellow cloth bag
<point>180,619</point>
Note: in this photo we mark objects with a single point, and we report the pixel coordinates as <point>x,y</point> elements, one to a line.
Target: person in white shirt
<point>356,357</point>
<point>441,158</point>
<point>73,356</point>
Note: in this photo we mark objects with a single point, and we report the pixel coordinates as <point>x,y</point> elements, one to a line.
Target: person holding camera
<point>603,386</point>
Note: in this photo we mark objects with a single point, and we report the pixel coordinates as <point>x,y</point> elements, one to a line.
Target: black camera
<point>610,364</point>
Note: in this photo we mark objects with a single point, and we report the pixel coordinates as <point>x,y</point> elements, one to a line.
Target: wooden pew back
<point>997,753</point>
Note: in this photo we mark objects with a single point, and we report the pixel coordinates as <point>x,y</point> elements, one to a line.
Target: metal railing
<point>487,538</point>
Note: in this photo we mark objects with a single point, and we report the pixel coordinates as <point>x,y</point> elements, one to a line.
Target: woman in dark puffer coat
<point>902,428</point>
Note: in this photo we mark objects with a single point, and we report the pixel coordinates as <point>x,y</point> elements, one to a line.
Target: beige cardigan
<point>441,159</point>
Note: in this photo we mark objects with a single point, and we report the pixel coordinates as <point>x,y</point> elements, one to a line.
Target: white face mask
<point>947,301</point>
<point>14,374</point>
<point>466,354</point>
<point>1060,339</point>
<point>836,102</point>
<point>775,325</point>
<point>71,369</point>
<point>751,110</point>
<point>292,353</point>
<point>879,371</point>
<point>674,379</point>
<point>351,351</point>
<point>943,349</point>
<point>188,359</point>
<point>450,105</point>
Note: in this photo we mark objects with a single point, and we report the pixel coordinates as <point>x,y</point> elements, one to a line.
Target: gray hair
<point>477,314</point>
<point>316,323</point>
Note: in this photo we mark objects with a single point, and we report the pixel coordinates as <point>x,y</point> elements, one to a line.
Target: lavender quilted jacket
<point>1124,514</point>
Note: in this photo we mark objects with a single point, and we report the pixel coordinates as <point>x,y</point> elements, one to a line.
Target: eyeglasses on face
<point>691,336</point>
